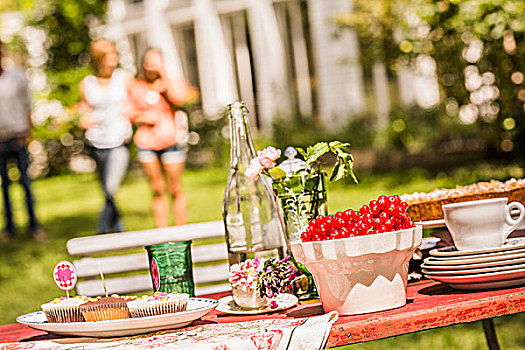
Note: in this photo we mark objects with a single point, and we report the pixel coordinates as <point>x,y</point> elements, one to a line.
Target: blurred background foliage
<point>476,46</point>
<point>479,51</point>
<point>65,62</point>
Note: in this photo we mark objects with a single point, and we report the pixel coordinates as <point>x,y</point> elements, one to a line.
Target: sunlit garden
<point>425,95</point>
<point>26,265</point>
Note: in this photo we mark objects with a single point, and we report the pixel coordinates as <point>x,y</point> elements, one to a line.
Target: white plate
<point>284,301</point>
<point>475,256</point>
<point>510,244</point>
<point>466,261</point>
<point>432,223</point>
<point>197,307</point>
<point>488,285</point>
<point>455,272</point>
<point>474,266</point>
<point>481,277</point>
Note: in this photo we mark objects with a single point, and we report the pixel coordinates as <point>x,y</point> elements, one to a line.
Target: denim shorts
<point>169,155</point>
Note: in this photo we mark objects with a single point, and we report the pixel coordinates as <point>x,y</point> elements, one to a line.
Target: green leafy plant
<point>313,157</point>
<point>303,193</point>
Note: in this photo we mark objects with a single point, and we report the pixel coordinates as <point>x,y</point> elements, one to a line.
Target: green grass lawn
<point>68,207</point>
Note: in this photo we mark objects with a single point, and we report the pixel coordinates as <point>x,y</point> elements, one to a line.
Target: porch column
<point>302,67</point>
<point>116,33</point>
<point>338,73</point>
<point>215,63</point>
<point>272,92</point>
<point>382,95</point>
<point>159,35</point>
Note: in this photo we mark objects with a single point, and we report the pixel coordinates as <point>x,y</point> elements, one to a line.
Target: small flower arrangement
<point>276,277</point>
<point>313,158</point>
<point>246,274</point>
<point>265,278</point>
<point>303,193</point>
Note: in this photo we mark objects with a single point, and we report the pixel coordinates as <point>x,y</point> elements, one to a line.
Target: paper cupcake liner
<point>64,314</point>
<point>103,312</point>
<point>141,308</point>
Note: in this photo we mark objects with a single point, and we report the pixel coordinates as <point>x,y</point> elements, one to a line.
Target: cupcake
<point>157,304</point>
<point>64,309</point>
<point>106,308</point>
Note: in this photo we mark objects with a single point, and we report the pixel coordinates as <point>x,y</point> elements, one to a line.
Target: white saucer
<point>432,223</point>
<point>488,285</point>
<point>475,256</point>
<point>456,272</point>
<point>465,260</point>
<point>284,301</point>
<point>510,244</point>
<point>481,277</point>
<point>474,266</point>
<point>197,307</point>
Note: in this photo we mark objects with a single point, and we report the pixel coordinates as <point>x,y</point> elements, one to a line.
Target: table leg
<point>490,334</point>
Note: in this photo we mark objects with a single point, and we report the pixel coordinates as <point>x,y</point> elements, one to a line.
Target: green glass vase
<point>302,199</point>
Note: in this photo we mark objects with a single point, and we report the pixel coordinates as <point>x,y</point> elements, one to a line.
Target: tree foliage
<point>66,23</point>
<point>64,60</point>
<point>451,32</point>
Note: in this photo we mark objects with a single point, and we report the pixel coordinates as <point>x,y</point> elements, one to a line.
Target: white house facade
<point>280,56</point>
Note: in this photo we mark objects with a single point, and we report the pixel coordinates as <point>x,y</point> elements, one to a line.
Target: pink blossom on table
<point>268,156</point>
<point>246,274</point>
<point>254,169</point>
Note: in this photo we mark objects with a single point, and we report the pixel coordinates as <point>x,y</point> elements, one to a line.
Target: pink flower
<point>268,156</point>
<point>245,274</point>
<point>254,169</point>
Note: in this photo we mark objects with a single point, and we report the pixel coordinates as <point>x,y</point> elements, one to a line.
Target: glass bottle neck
<point>242,150</point>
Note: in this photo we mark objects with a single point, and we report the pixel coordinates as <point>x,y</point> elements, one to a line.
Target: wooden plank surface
<point>88,267</point>
<point>430,305</point>
<point>86,246</point>
<point>140,283</point>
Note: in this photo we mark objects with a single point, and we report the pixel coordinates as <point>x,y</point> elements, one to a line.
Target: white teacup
<point>481,224</point>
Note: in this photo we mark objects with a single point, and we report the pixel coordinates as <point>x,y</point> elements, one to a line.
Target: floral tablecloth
<point>266,334</point>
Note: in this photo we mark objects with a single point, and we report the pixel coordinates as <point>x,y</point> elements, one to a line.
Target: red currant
<point>364,209</point>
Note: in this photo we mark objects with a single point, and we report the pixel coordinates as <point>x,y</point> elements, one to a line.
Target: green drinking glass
<point>171,267</point>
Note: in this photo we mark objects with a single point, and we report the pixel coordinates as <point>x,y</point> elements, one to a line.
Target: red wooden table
<point>429,305</point>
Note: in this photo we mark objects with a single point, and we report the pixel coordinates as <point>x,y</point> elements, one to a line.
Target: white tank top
<point>110,127</point>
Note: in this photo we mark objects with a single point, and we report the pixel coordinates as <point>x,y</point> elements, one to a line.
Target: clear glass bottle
<point>249,209</point>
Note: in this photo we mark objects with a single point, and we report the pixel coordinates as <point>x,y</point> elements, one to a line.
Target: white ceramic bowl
<point>248,299</point>
<point>361,274</point>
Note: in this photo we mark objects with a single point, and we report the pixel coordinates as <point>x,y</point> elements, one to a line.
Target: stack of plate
<point>478,269</point>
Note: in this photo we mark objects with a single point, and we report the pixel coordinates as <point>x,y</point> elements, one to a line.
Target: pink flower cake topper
<point>65,275</point>
<point>155,274</point>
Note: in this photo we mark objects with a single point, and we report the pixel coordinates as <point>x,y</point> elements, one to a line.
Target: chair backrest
<point>119,253</point>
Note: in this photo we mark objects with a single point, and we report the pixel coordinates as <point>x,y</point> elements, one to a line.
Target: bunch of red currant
<point>384,214</point>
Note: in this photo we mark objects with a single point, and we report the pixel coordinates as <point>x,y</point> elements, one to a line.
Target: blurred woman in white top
<point>108,129</point>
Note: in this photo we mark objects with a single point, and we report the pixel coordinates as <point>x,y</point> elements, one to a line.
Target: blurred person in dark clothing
<point>15,128</point>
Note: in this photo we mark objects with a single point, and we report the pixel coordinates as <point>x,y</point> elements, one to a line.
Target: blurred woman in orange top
<point>162,133</point>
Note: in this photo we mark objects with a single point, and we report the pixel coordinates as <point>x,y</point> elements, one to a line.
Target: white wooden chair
<point>121,255</point>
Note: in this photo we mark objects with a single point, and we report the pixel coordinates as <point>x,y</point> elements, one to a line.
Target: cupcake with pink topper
<point>64,309</point>
<point>157,304</point>
<point>256,282</point>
